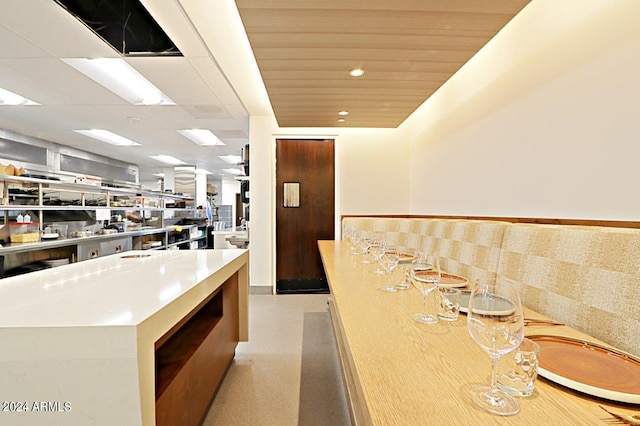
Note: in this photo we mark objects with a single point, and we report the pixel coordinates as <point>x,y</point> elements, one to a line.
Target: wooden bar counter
<point>399,372</point>
<point>135,338</point>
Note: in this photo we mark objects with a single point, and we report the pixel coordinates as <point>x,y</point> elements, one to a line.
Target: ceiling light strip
<point>13,99</point>
<point>118,76</point>
<point>202,137</point>
<point>167,159</point>
<point>107,137</point>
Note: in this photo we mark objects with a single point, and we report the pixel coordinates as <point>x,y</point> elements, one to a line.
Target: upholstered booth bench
<point>585,276</point>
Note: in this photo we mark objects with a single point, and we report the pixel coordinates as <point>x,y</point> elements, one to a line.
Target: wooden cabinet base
<point>193,357</point>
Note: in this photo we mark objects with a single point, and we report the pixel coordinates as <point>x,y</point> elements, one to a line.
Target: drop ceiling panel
<point>23,118</point>
<point>54,83</point>
<point>408,49</point>
<point>216,80</point>
<point>35,34</point>
<point>164,72</point>
<point>73,117</point>
<point>231,134</point>
<point>239,113</point>
<point>206,112</point>
<point>48,25</point>
<point>14,46</point>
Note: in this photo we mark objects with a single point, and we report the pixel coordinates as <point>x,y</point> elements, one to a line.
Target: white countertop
<point>107,291</point>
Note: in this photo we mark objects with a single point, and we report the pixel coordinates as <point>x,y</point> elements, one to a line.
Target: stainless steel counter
<point>63,242</point>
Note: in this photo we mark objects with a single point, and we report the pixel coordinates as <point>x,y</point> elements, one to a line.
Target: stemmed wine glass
<point>377,252</point>
<point>425,276</point>
<point>368,240</point>
<point>389,261</point>
<point>419,256</point>
<point>495,322</point>
<point>349,235</point>
<point>356,239</point>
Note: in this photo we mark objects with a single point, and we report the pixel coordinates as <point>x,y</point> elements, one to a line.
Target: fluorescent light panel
<point>235,172</point>
<point>122,79</point>
<point>10,98</point>
<point>201,137</point>
<point>167,159</point>
<point>108,137</point>
<point>231,159</point>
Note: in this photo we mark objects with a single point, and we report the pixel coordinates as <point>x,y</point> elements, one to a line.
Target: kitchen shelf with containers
<point>43,220</point>
<point>49,201</point>
<point>182,237</point>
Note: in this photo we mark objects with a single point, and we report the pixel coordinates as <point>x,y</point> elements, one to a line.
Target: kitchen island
<point>135,338</point>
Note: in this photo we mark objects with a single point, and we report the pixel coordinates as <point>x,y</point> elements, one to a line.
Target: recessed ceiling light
<point>236,172</point>
<point>231,159</point>
<point>202,137</point>
<point>10,98</point>
<point>341,120</point>
<point>167,159</point>
<point>108,137</point>
<point>357,72</point>
<point>343,112</point>
<point>122,79</point>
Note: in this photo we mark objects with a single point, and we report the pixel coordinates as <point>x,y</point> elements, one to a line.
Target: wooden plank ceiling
<point>407,48</point>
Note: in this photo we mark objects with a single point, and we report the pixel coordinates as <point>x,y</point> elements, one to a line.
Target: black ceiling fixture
<point>125,24</point>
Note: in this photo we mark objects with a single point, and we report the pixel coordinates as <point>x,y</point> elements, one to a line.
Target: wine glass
<point>389,261</point>
<point>495,322</point>
<point>419,256</point>
<point>377,251</point>
<point>356,238</point>
<point>368,240</point>
<point>349,235</point>
<point>405,283</point>
<point>425,276</point>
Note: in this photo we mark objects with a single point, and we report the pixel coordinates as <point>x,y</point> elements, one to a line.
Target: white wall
<point>372,172</point>
<point>542,123</point>
<point>371,178</point>
<point>201,189</point>
<point>228,190</point>
<point>261,173</point>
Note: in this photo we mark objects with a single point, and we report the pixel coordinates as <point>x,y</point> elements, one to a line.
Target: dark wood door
<point>310,164</point>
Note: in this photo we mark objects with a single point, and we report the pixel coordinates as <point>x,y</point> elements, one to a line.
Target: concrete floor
<point>263,384</point>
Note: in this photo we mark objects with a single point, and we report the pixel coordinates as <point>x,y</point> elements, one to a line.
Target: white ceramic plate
<point>495,305</point>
